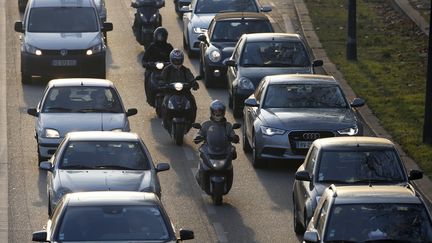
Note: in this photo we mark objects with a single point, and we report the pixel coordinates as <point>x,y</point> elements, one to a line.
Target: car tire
<point>298,227</point>
<point>246,145</point>
<point>237,111</point>
<point>26,78</point>
<point>257,162</point>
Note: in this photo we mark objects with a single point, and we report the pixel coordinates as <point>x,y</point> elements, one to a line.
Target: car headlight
<point>117,130</point>
<point>349,131</point>
<point>198,30</point>
<point>269,131</point>
<point>178,86</point>
<point>170,105</point>
<point>51,133</point>
<point>215,56</point>
<point>245,83</point>
<point>32,50</point>
<point>94,49</point>
<point>217,163</point>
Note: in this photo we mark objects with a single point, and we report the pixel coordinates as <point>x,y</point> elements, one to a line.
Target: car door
<point>305,188</point>
<point>252,113</point>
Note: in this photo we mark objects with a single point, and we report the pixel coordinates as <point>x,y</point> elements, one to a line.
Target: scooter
<point>152,83</point>
<point>147,19</point>
<point>176,109</point>
<point>215,170</point>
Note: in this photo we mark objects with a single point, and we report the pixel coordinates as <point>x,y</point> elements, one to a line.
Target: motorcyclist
<point>177,72</point>
<point>158,51</point>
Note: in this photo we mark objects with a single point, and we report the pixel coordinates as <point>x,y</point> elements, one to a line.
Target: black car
<point>258,55</point>
<point>110,216</point>
<point>345,161</point>
<point>218,42</point>
<point>62,39</point>
<point>370,213</point>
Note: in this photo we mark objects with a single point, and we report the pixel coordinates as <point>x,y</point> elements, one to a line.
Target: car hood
<point>104,180</point>
<point>58,41</point>
<point>68,122</point>
<point>202,20</point>
<point>255,74</point>
<point>227,48</point>
<point>308,118</point>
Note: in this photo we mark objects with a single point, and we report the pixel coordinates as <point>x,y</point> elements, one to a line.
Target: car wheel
<point>208,80</point>
<point>230,101</point>
<point>298,227</point>
<point>237,112</point>
<point>246,146</point>
<point>257,161</point>
<point>26,78</point>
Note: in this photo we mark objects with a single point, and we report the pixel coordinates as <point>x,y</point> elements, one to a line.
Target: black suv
<point>345,161</point>
<point>62,39</point>
<point>370,213</point>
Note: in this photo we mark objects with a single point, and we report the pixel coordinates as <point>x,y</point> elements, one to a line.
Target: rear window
<point>216,6</point>
<point>230,31</point>
<point>62,20</point>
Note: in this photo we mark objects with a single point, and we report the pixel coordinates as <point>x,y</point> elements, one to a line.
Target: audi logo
<point>311,135</point>
<point>63,52</point>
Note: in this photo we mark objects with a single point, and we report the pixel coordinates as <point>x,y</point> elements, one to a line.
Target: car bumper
<point>58,66</point>
<point>47,146</point>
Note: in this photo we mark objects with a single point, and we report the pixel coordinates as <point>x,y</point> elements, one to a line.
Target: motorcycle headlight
<point>51,133</point>
<point>351,131</point>
<point>94,49</point>
<point>170,105</point>
<point>153,17</point>
<point>159,65</point>
<point>270,131</point>
<point>245,83</point>
<point>217,163</point>
<point>178,86</point>
<point>215,56</point>
<point>198,30</point>
<point>32,50</point>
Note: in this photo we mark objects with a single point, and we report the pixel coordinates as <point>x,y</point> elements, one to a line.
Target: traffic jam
<point>102,181</point>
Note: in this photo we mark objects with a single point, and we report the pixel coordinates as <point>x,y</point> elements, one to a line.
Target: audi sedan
<point>101,161</point>
<point>288,112</point>
<point>77,104</point>
<point>218,42</point>
<point>110,217</point>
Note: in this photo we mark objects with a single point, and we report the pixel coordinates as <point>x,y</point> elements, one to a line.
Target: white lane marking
<point>209,207</point>
<point>288,24</point>
<point>220,232</point>
<point>189,153</point>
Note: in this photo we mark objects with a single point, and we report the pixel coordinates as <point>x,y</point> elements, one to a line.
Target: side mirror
<point>196,125</point>
<point>230,62</point>
<point>252,102</point>
<point>236,126</point>
<point>32,111</point>
<point>357,102</point>
<point>131,112</point>
<point>415,175</point>
<point>185,9</point>
<point>162,167</point>
<point>311,236</point>
<point>40,236</point>
<point>107,26</point>
<point>317,63</point>
<point>202,38</point>
<point>302,176</point>
<point>19,27</point>
<point>266,9</point>
<point>199,77</point>
<point>46,165</point>
<point>186,234</point>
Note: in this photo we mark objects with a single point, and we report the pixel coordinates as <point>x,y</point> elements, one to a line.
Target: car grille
<point>297,138</point>
<point>65,54</point>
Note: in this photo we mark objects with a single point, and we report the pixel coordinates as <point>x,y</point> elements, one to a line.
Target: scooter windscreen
<point>217,140</point>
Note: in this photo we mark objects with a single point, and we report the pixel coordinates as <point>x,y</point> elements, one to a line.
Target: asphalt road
<point>259,205</point>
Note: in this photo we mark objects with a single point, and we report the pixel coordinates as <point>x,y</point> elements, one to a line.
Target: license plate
<point>64,63</point>
<point>303,144</point>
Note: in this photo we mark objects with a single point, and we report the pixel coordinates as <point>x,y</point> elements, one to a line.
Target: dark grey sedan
<point>101,161</point>
<point>288,112</point>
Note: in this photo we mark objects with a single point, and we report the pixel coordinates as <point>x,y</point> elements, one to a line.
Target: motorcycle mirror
<point>196,125</point>
<point>236,126</point>
<point>199,77</point>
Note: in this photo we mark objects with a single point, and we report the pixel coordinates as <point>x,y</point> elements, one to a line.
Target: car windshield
<point>379,221</point>
<point>104,155</point>
<point>216,6</point>
<point>304,96</point>
<point>275,54</point>
<point>368,166</point>
<point>113,223</point>
<point>230,31</point>
<point>82,99</point>
<point>63,20</point>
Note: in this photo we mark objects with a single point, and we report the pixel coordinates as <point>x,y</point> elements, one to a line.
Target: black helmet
<point>160,35</point>
<point>176,57</point>
<point>217,110</point>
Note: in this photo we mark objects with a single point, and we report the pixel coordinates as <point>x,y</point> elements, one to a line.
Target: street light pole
<point>351,51</point>
<point>427,125</point>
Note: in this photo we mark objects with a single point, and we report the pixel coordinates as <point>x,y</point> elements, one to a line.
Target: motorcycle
<point>152,83</point>
<point>147,19</point>
<point>215,170</point>
<point>176,108</point>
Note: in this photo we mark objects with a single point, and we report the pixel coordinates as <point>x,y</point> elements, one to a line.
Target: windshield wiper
<point>66,167</point>
<point>58,108</point>
<point>118,167</point>
<point>94,110</point>
<point>366,180</point>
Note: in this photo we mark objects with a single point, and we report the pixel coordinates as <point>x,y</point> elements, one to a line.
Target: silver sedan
<point>288,112</point>
<point>101,161</point>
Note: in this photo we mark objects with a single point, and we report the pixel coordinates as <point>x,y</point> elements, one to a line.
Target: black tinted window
<point>216,6</point>
<point>230,31</point>
<point>62,19</point>
<point>104,155</point>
